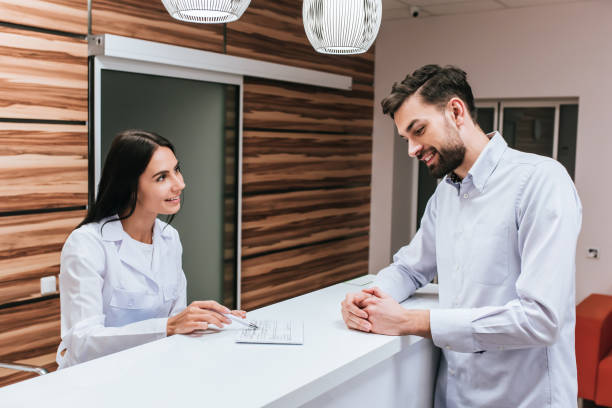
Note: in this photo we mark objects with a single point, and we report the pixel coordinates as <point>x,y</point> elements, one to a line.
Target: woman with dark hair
<point>121,277</point>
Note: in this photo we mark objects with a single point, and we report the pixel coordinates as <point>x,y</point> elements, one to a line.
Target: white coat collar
<point>128,250</point>
<point>113,230</point>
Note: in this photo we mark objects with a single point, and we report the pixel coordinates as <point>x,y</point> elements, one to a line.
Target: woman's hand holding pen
<point>198,315</point>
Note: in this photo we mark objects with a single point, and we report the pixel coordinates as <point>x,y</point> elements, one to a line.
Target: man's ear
<point>457,111</point>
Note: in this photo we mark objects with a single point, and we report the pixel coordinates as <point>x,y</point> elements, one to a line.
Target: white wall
<point>562,50</point>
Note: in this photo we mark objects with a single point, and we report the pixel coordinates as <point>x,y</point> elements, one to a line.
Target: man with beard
<point>500,232</point>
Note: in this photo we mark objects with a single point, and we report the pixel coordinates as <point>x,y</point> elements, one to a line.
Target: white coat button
<point>448,347</point>
<point>451,372</point>
<point>466,195</point>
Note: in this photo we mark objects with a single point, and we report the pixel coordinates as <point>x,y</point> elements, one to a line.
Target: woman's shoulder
<point>83,252</point>
<point>89,235</point>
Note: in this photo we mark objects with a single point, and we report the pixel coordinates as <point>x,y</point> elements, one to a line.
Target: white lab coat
<point>111,297</point>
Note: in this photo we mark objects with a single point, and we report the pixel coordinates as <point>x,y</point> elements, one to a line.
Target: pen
<point>243,322</point>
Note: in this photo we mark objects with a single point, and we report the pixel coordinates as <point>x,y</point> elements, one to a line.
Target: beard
<point>450,156</point>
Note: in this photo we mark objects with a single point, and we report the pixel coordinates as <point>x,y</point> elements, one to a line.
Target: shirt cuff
<point>451,329</point>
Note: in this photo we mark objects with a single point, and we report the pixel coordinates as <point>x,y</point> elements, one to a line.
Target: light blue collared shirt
<point>503,244</point>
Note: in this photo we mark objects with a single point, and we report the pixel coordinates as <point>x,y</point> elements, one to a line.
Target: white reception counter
<point>334,367</point>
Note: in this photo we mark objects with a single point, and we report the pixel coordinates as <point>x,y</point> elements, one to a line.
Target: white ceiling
<point>397,9</point>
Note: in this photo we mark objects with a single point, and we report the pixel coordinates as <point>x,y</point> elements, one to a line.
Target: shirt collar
<point>485,163</point>
<point>488,160</point>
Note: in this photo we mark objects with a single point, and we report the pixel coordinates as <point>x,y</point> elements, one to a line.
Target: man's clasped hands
<point>374,311</point>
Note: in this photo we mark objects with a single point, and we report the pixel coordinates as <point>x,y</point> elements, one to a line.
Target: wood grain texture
<point>62,15</point>
<point>229,228</point>
<point>42,76</point>
<point>29,334</point>
<point>275,161</point>
<point>30,247</point>
<point>229,284</point>
<point>271,278</point>
<point>42,166</point>
<point>149,20</point>
<point>273,222</point>
<point>285,106</point>
<point>272,30</point>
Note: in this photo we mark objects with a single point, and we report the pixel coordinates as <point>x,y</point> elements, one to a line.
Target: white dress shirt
<point>113,295</point>
<point>502,242</point>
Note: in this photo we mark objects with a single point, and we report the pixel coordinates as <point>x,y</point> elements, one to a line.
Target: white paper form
<point>274,332</point>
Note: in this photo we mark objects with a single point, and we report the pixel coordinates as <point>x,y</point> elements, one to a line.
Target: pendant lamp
<point>206,11</point>
<point>341,26</point>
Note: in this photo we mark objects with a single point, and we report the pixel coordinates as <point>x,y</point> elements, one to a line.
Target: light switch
<point>47,285</point>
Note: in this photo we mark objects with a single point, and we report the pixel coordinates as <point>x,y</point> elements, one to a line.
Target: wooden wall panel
<point>277,161</point>
<point>42,166</point>
<point>30,247</point>
<point>149,20</point>
<point>62,15</point>
<point>285,106</point>
<point>272,30</point>
<point>42,76</point>
<point>30,335</point>
<point>306,161</point>
<point>273,222</point>
<point>271,278</point>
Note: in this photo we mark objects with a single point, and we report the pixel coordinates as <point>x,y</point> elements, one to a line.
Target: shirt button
<point>466,195</point>
<point>447,347</point>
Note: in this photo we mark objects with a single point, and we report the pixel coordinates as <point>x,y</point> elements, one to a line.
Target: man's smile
<point>428,157</point>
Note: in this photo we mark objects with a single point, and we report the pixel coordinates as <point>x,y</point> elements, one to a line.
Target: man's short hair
<point>436,85</point>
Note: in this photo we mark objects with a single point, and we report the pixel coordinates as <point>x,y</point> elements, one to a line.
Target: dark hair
<point>435,84</point>
<point>127,159</point>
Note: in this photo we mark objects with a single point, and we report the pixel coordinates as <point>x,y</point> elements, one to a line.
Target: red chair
<point>594,349</point>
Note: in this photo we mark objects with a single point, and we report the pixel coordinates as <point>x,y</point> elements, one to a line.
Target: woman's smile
<point>174,200</point>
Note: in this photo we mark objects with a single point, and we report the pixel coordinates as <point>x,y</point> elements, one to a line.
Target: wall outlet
<point>593,253</point>
<point>47,285</point>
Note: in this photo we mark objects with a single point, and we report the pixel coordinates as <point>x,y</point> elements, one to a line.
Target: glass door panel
<point>200,119</point>
<point>529,129</point>
<point>485,117</point>
<point>568,130</point>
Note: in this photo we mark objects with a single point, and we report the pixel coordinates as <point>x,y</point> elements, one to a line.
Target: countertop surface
<point>210,369</point>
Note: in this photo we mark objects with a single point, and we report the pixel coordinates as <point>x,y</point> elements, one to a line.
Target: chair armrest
<point>593,340</point>
<point>24,367</point>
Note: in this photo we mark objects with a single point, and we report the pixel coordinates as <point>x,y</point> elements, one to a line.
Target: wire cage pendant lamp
<point>206,11</point>
<point>341,26</point>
